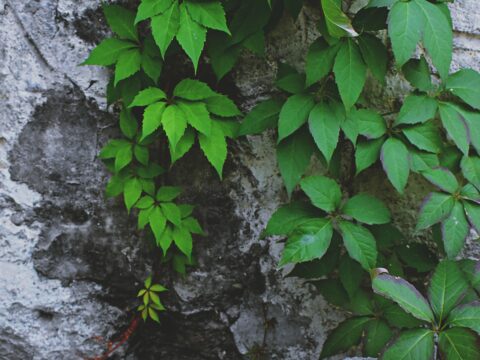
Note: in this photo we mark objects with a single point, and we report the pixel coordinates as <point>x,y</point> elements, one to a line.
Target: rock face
<point>71,261</point>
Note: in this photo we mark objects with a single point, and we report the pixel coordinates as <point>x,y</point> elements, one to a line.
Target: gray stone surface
<point>71,261</point>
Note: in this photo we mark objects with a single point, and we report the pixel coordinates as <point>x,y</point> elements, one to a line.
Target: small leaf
<point>193,90</point>
<point>415,344</point>
<point>442,178</point>
<point>108,52</point>
<point>325,129</point>
<point>367,209</point>
<point>153,315</point>
<point>288,217</point>
<point>338,24</point>
<point>121,21</point>
<point>148,96</point>
<point>294,114</point>
<point>215,148</point>
<point>417,73</point>
<point>263,116</point>
<point>395,161</point>
<point>128,63</point>
<point>464,84</point>
<point>417,109</point>
<point>132,192</point>
<point>145,202</point>
<point>174,123</point>
<point>367,153</point>
<point>158,288</point>
<point>165,26</point>
<point>320,60</point>
<point>323,192</point>
<point>404,294</point>
<point>435,208</point>
<point>456,127</point>
<point>360,244</point>
<point>193,226</point>
<point>209,14</point>
<point>459,344</point>
<point>168,193</point>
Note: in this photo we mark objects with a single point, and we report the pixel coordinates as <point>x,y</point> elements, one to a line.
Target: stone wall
<point>71,261</point>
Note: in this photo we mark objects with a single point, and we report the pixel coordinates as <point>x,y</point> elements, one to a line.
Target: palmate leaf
<point>360,244</point>
<point>209,14</point>
<point>370,123</point>
<point>455,229</point>
<point>375,55</point>
<point>132,192</point>
<point>471,169</point>
<point>367,153</point>
<point>148,96</point>
<point>367,209</point>
<point>473,213</point>
<point>129,62</point>
<point>152,118</point>
<point>150,8</point>
<point>157,222</point>
<point>417,73</point>
<point>174,123</point>
<point>425,137</point>
<point>412,345</point>
<point>193,90</point>
<point>183,240</point>
<point>442,178</point>
<point>323,192</point>
<point>459,344</point>
<point>165,27</point>
<point>351,274</point>
<point>197,116</point>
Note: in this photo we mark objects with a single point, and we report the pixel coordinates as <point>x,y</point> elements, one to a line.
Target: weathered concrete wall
<point>71,262</point>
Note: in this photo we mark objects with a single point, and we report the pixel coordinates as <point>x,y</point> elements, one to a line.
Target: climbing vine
<point>340,240</point>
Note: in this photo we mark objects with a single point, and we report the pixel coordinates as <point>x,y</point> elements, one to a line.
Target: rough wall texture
<point>70,261</point>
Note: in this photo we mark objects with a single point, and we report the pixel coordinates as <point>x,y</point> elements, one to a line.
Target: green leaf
<point>470,192</point>
<point>294,114</point>
<point>424,136</point>
<point>471,169</point>
<point>141,154</point>
<point>404,294</point>
<point>464,84</point>
<point>350,73</point>
<point>310,241</point>
<point>197,116</point>
<point>184,144</point>
<point>209,14</point>
<point>473,214</point>
<point>395,161</point>
<point>191,36</point>
<point>381,3</point>
<point>263,116</point>
<point>360,244</point>
<point>293,157</point>
<point>121,21</point>
<point>378,333</point>
<point>467,316</point>
<point>128,124</point>
<point>145,202</point>
<point>157,223</point>
<point>221,105</point>
<point>442,178</point>
<point>446,288</point>
<point>367,209</point>
<point>456,127</point>
<point>435,208</point>
<point>325,129</point>
<point>417,73</point>
<point>417,109</point>
<point>344,336</point>
<point>437,36</point>
<point>405,27</point>
<point>152,118</point>
<point>132,192</point>
<point>183,240</point>
<point>367,153</point>
<point>165,240</point>
<point>172,213</point>
<point>215,148</point>
<point>288,217</point>
<point>293,83</point>
<point>421,161</point>
<point>370,123</point>
<point>472,120</point>
<point>165,26</point>
<point>375,55</point>
<point>417,256</point>
<point>415,344</point>
<point>174,123</point>
<point>128,63</point>
<point>338,24</point>
<point>351,274</point>
<point>168,193</point>
<point>323,192</point>
<point>123,158</point>
<point>320,60</point>
<point>148,96</point>
<point>108,52</point>
<point>150,8</point>
<point>459,344</point>
<point>333,291</point>
<point>193,226</point>
<point>193,90</point>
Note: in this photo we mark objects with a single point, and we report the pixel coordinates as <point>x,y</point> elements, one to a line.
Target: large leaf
<point>442,178</point>
<point>417,109</point>
<point>288,217</point>
<point>350,73</point>
<point>378,333</point>
<point>191,36</point>
<point>323,192</point>
<point>165,27</point>
<point>263,116</point>
<point>214,147</point>
<point>467,315</point>
<point>320,60</point>
<point>464,84</point>
<point>325,128</point>
<point>338,24</point>
<point>446,288</point>
<point>471,169</point>
<point>455,229</point>
<point>293,156</point>
<point>412,345</point>
<point>121,21</point>
<point>395,162</point>
<point>346,335</point>
<point>209,14</point>
<point>360,244</point>
<point>435,208</point>
<point>456,127</point>
<point>459,344</point>
<point>437,36</point>
<point>404,294</point>
<point>367,209</point>
<point>294,114</point>
<point>310,241</point>
<point>405,27</point>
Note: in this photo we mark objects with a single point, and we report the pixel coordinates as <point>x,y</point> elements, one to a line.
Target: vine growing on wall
<point>340,240</point>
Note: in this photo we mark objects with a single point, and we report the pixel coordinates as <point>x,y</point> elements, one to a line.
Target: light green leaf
<point>191,36</point>
<point>150,8</point>
<point>367,153</point>
<point>132,192</point>
<point>437,36</point>
<point>183,240</point>
<point>442,178</point>
<point>417,73</point>
<point>123,158</point>
<point>108,52</point>
<point>221,105</point>
<point>467,315</point>
<point>471,169</point>
<point>293,156</point>
<point>128,63</point>
<point>193,90</point>
<point>141,154</point>
<point>455,125</point>
<point>192,225</point>
<point>417,109</point>
<point>310,241</point>
<point>360,244</point>
<point>375,55</point>
<point>415,344</point>
<point>350,73</point>
<point>174,123</point>
<point>215,148</point>
<point>184,144</point>
<point>294,114</point>
<point>168,193</point>
<point>424,136</point>
<point>370,123</point>
<point>288,217</point>
<point>172,212</point>
<point>210,14</point>
<point>378,333</point>
<point>459,344</point>
<point>325,129</point>
<point>148,96</point>
<point>464,84</point>
<point>128,124</point>
<point>338,24</point>
<point>121,21</point>
<point>157,223</point>
<point>152,118</point>
<point>367,209</point>
<point>320,60</point>
<point>197,116</point>
<point>323,192</point>
<point>395,161</point>
<point>435,208</point>
<point>263,116</point>
<point>165,240</point>
<point>404,294</point>
<point>165,26</point>
<point>145,202</point>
